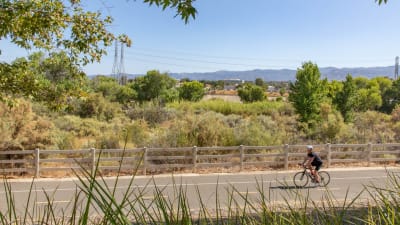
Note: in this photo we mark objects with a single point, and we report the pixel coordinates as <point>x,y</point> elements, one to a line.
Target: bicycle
<point>301,179</point>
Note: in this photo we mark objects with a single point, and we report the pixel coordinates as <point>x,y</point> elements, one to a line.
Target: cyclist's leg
<point>316,175</point>
<point>310,167</point>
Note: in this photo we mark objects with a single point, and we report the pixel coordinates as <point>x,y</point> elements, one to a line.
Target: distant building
<point>271,89</point>
<point>230,87</point>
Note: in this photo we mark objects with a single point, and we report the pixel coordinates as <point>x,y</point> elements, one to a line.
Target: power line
<point>197,55</point>
<point>205,61</point>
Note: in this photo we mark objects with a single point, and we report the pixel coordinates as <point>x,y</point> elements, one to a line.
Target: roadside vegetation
<point>155,110</point>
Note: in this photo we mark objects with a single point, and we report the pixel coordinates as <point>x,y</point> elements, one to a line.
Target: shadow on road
<point>290,187</point>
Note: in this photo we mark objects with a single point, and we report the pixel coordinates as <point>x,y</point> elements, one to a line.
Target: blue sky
<point>249,34</point>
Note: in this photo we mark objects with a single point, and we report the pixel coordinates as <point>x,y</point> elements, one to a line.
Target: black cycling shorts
<point>317,166</point>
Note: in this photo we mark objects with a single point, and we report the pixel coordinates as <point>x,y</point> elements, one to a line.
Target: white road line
<point>330,189</point>
<point>151,197</point>
<point>247,192</point>
<point>52,202</point>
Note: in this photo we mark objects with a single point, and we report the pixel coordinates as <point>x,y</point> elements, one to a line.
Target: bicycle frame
<point>308,173</point>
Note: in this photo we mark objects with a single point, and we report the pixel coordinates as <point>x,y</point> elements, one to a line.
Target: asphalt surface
<point>277,186</point>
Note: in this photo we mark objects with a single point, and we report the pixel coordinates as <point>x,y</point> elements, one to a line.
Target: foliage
<point>381,1</point>
<point>62,25</point>
<point>138,133</point>
<point>307,94</point>
<point>17,80</point>
<point>152,113</point>
<point>155,86</point>
<point>372,126</point>
<point>345,99</point>
<point>85,128</point>
<point>330,125</point>
<point>110,89</point>
<point>228,108</point>
<point>259,82</point>
<point>368,96</point>
<point>107,140</point>
<point>258,131</point>
<point>94,105</point>
<point>391,97</point>
<point>21,129</point>
<point>206,129</point>
<point>191,91</point>
<point>251,93</point>
<point>184,8</point>
<point>51,24</point>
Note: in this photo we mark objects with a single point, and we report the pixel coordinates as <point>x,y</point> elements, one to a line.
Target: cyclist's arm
<point>309,160</point>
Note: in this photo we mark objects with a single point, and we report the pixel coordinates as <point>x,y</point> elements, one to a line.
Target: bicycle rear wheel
<point>300,179</point>
<point>325,178</point>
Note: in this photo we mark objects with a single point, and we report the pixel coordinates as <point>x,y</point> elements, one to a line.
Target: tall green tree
<point>344,100</point>
<point>307,93</point>
<point>191,91</point>
<point>155,86</point>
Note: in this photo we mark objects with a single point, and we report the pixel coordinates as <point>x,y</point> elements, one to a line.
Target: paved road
<point>277,186</point>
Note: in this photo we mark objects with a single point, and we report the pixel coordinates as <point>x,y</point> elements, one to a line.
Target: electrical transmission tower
<point>115,69</point>
<point>118,70</point>
<point>396,69</point>
<point>122,75</point>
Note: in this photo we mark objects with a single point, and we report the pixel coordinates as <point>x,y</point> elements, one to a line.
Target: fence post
<point>329,155</point>
<point>241,149</point>
<point>369,156</point>
<point>93,160</point>
<point>194,158</point>
<point>144,160</point>
<point>37,163</point>
<point>286,149</point>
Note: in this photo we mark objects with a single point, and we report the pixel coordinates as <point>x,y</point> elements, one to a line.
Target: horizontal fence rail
<point>36,162</point>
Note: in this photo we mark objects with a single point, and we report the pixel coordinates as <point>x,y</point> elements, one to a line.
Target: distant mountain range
<point>332,73</point>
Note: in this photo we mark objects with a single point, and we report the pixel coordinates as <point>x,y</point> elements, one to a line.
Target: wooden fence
<point>145,160</point>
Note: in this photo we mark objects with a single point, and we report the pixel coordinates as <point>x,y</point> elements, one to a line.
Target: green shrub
<point>228,108</point>
<point>107,140</point>
<point>207,129</point>
<point>65,140</point>
<point>20,128</point>
<point>150,112</point>
<point>138,132</point>
<point>258,130</point>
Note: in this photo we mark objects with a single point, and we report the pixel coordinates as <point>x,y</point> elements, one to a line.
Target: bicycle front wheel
<point>325,178</point>
<point>300,179</point>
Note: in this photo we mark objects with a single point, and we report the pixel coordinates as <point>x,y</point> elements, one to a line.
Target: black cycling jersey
<point>317,159</point>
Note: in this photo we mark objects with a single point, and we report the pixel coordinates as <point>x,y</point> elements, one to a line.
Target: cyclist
<point>312,160</point>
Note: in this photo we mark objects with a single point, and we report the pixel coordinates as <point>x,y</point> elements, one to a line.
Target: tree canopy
<point>307,93</point>
<point>59,26</point>
<point>191,91</point>
<point>155,86</point>
<point>251,93</point>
